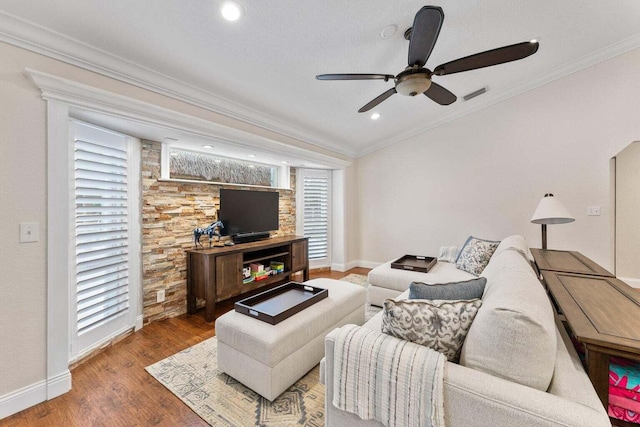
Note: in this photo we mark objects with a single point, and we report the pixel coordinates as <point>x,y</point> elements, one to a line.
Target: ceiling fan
<point>415,79</point>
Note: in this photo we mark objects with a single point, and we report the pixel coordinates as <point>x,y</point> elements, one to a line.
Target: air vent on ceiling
<point>474,94</point>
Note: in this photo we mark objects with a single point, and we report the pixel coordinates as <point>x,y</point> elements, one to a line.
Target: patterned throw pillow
<point>439,325</point>
<point>469,289</point>
<point>475,255</point>
<point>448,253</point>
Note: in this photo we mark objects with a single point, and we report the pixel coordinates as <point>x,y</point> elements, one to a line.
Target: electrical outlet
<point>593,211</point>
<point>160,296</point>
<point>29,232</point>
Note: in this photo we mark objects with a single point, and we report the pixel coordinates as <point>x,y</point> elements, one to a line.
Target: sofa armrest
<point>476,398</point>
<point>471,395</point>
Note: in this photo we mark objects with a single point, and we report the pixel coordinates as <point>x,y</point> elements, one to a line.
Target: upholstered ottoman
<point>270,358</point>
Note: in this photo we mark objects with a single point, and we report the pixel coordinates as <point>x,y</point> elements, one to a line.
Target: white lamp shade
<point>551,211</point>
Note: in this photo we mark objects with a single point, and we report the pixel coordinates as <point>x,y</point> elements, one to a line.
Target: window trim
<point>284,179</point>
<point>62,96</point>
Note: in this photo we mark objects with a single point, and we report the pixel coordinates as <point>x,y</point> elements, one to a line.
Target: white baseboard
<point>139,323</point>
<point>23,398</point>
<point>361,263</point>
<point>58,385</point>
<point>338,267</point>
<point>634,283</point>
<point>26,397</point>
<point>354,264</point>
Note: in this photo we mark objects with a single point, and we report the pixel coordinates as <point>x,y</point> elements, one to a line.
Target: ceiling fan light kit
<point>413,84</point>
<point>416,79</point>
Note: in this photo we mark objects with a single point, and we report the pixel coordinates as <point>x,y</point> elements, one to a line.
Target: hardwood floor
<point>113,389</point>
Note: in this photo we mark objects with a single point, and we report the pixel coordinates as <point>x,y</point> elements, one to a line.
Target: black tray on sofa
<point>280,303</point>
<point>414,263</point>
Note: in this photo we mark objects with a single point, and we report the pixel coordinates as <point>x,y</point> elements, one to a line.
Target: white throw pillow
<point>448,254</point>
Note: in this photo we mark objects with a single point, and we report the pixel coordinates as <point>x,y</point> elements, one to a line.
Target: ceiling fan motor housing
<point>412,82</point>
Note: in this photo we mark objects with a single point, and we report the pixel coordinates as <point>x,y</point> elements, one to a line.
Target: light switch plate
<point>593,211</point>
<point>29,232</point>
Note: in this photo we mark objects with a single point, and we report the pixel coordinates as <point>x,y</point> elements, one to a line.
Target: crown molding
<point>594,58</point>
<point>29,36</point>
<point>35,38</point>
<point>78,95</point>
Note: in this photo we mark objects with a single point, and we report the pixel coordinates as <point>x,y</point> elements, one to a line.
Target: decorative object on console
<point>448,253</point>
<point>475,255</point>
<point>209,231</point>
<point>550,211</point>
<point>469,289</point>
<point>438,324</point>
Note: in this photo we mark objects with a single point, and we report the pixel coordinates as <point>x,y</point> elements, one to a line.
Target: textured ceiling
<point>262,69</point>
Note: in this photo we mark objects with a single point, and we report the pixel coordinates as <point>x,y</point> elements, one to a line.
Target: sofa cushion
<point>516,243</point>
<point>448,254</point>
<point>468,289</point>
<point>439,325</point>
<point>513,335</point>
<point>399,280</point>
<point>475,255</point>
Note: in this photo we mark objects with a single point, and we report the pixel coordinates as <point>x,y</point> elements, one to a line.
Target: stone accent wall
<point>170,212</point>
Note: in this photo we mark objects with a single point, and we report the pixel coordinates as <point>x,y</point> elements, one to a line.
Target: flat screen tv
<point>248,211</point>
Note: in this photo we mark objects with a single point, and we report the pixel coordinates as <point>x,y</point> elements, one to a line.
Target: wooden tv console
<point>215,274</point>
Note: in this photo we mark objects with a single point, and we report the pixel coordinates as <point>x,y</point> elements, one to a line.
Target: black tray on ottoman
<point>414,263</point>
<point>277,304</point>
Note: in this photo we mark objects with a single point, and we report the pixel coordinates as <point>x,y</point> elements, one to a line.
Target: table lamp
<point>550,211</point>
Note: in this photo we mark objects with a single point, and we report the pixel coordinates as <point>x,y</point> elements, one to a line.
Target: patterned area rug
<point>193,376</point>
<point>360,279</point>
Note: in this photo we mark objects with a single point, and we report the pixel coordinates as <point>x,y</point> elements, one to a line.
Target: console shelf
<point>215,274</point>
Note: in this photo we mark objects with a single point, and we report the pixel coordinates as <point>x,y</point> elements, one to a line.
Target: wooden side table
<point>603,312</point>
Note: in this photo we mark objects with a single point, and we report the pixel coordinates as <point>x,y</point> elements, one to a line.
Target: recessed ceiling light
<point>252,156</point>
<point>375,116</point>
<point>207,146</point>
<point>284,162</point>
<point>218,161</point>
<point>231,11</point>
<point>251,166</point>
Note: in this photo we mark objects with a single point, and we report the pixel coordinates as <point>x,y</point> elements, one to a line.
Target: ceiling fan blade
<point>377,100</point>
<point>488,58</point>
<point>384,77</point>
<point>440,95</point>
<point>424,33</point>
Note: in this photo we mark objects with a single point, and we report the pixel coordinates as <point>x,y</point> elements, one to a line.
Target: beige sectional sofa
<point>517,367</point>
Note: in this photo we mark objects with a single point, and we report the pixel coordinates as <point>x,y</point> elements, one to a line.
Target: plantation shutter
<point>101,233</point>
<point>316,214</point>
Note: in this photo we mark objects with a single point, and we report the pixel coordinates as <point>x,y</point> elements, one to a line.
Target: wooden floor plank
<point>113,389</point>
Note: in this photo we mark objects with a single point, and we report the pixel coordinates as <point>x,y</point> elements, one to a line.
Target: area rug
<point>193,376</point>
<point>360,279</point>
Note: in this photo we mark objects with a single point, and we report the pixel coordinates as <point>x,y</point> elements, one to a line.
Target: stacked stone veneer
<point>170,212</point>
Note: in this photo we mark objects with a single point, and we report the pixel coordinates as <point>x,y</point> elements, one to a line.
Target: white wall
<point>484,174</point>
<point>22,265</point>
<point>23,189</point>
<point>628,213</point>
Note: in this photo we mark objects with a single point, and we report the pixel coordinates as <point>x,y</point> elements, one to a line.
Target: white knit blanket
<point>380,377</point>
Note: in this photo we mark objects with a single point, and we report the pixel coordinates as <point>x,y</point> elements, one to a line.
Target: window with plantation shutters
<point>103,249</point>
<point>314,194</point>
